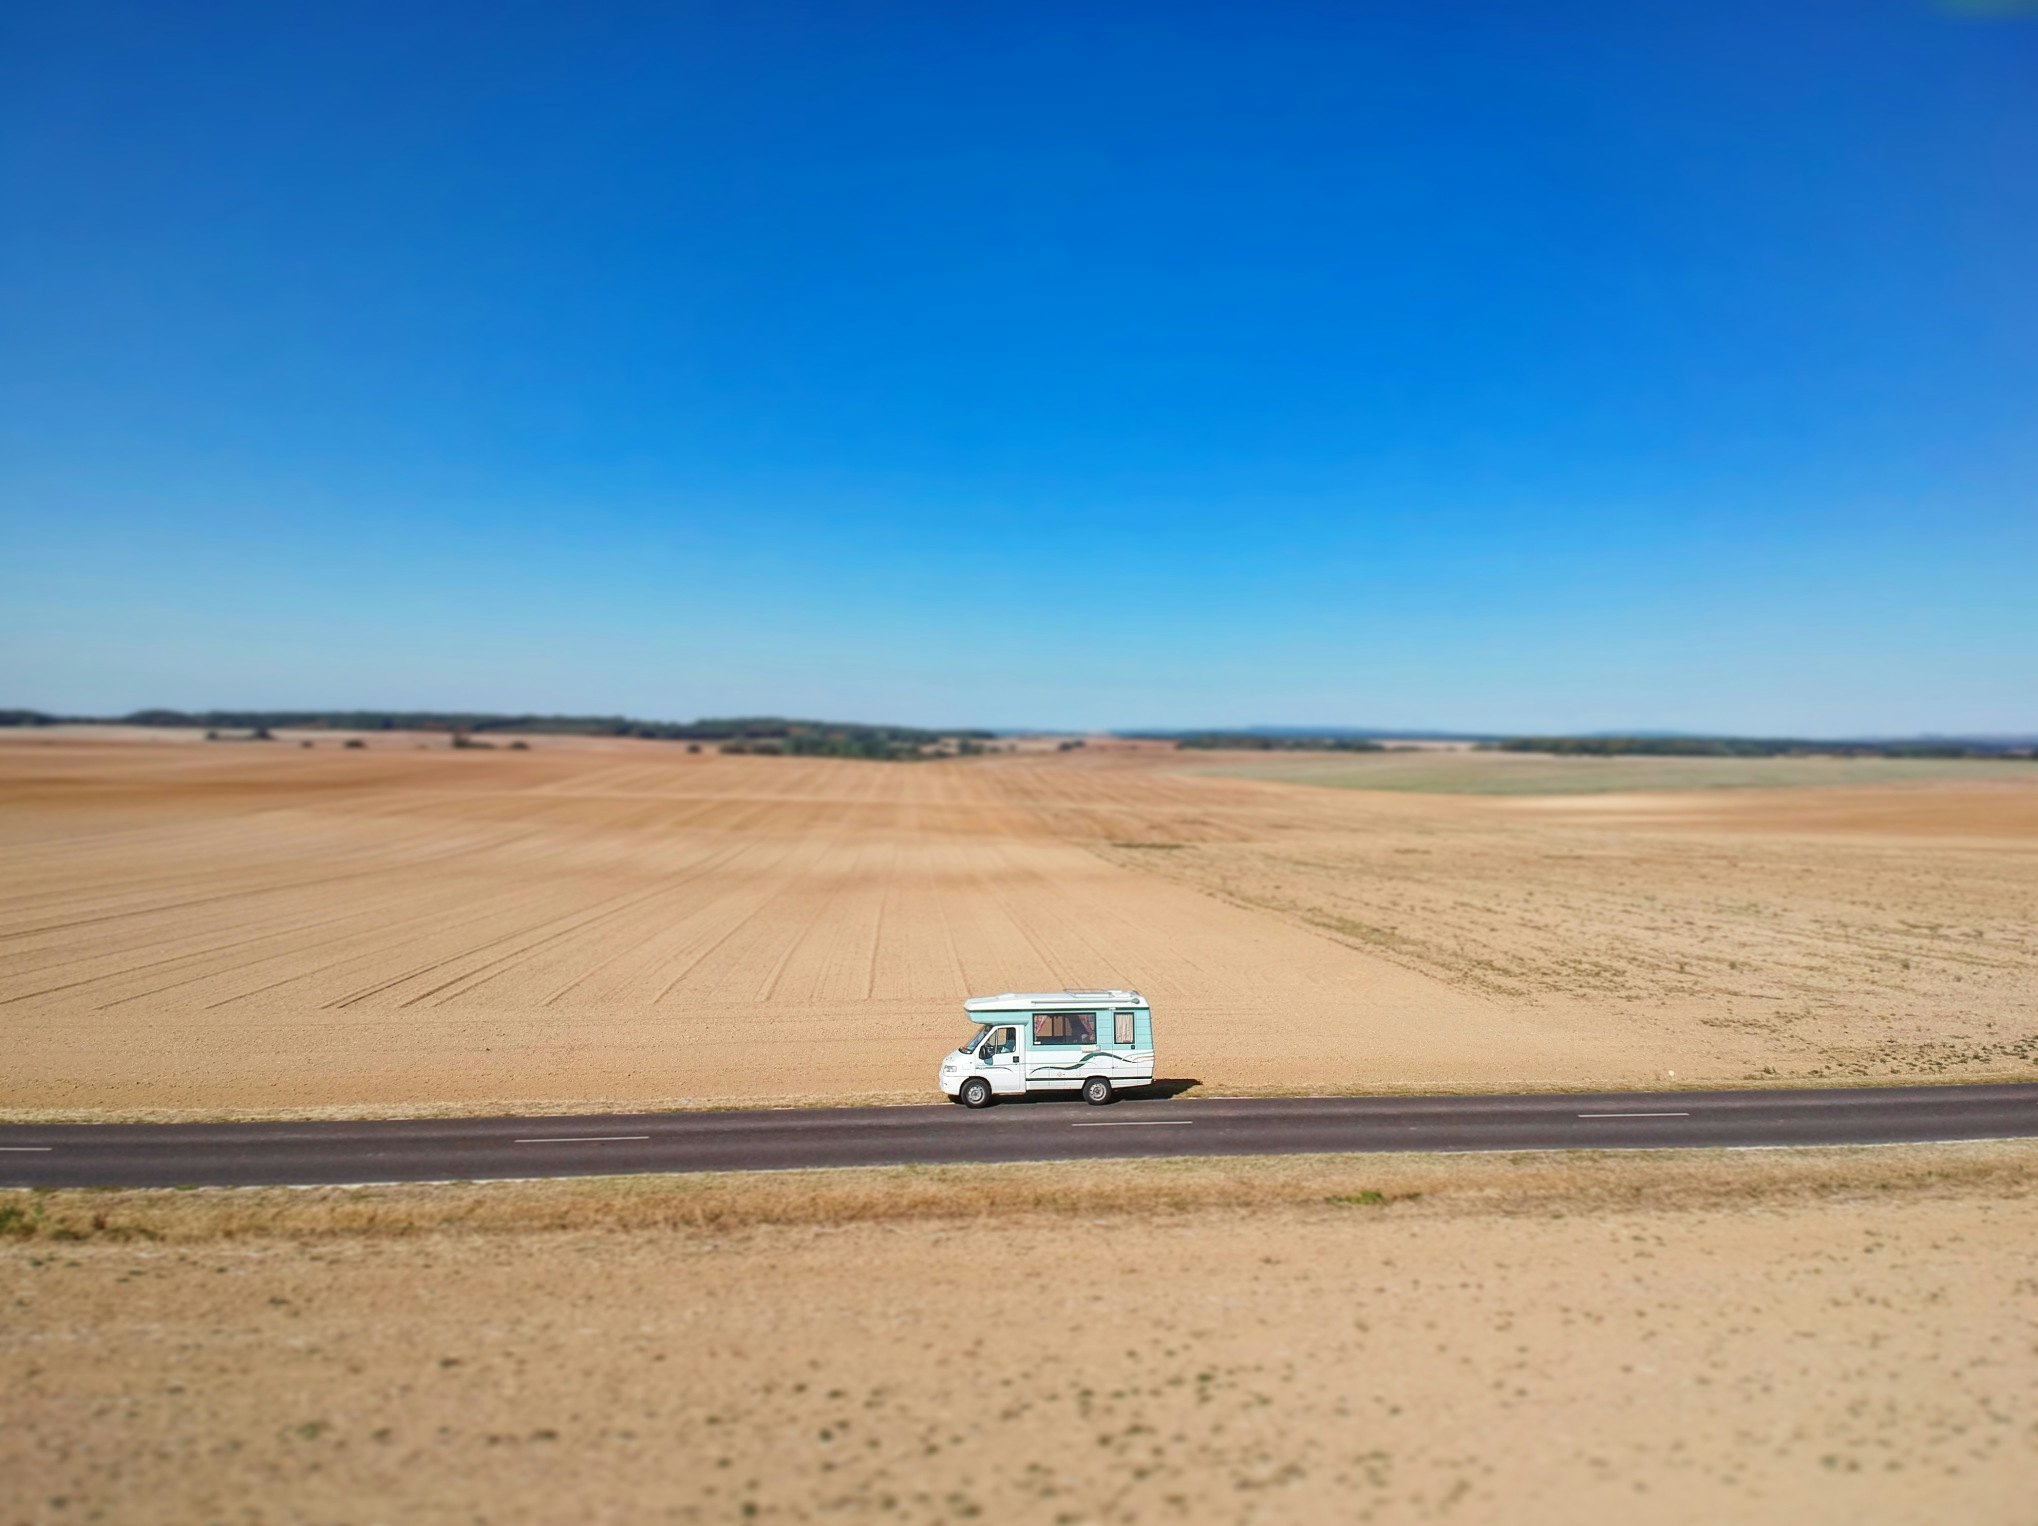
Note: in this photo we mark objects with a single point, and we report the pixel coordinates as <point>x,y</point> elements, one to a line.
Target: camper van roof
<point>1030,1001</point>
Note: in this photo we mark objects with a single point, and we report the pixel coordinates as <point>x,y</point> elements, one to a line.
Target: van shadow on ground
<point>1153,1090</point>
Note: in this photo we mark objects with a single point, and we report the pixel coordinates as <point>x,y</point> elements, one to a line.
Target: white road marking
<point>27,1149</point>
<point>587,1139</point>
<point>1634,1115</point>
<point>1139,1123</point>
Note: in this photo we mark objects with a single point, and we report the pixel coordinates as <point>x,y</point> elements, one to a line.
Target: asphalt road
<point>474,1149</point>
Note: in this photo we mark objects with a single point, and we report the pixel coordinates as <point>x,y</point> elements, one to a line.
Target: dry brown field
<point>1781,1336</point>
<point>266,928</point>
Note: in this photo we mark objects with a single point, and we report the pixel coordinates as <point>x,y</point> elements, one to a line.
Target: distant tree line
<point>1253,741</point>
<point>849,739</point>
<point>879,744</point>
<point>1755,747</point>
<point>754,734</point>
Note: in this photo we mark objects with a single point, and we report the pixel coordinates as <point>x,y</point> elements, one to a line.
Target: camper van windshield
<point>969,1045</point>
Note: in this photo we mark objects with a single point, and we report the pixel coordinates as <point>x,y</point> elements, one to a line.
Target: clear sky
<point>1383,362</point>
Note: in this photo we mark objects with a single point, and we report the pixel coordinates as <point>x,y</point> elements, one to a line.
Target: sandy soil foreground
<point>266,928</point>
<point>1766,1336</point>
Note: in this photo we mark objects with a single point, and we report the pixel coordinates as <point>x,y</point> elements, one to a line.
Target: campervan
<point>1094,1042</point>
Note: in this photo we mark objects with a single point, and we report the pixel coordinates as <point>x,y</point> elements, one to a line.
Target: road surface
<point>475,1149</point>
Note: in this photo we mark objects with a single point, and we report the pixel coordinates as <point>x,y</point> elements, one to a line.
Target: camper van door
<point>1003,1061</point>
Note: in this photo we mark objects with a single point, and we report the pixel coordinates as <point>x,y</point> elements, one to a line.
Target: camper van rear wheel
<point>976,1092</point>
<point>1097,1091</point>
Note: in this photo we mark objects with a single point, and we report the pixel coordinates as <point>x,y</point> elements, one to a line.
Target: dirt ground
<point>222,928</point>
<point>1466,770</point>
<point>1746,1336</point>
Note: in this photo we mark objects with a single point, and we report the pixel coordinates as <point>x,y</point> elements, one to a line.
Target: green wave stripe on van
<point>1094,1054</point>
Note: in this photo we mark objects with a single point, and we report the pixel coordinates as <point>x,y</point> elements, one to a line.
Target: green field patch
<point>1512,773</point>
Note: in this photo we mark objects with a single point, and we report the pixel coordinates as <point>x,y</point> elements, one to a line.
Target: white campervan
<point>1095,1042</point>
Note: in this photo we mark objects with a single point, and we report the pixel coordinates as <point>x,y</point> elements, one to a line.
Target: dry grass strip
<point>1538,1183</point>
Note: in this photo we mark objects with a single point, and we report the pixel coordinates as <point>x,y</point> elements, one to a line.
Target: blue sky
<point>1509,366</point>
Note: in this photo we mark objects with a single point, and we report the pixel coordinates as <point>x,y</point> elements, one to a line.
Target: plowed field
<point>263,927</point>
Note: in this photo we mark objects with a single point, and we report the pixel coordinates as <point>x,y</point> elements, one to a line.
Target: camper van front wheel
<point>1097,1091</point>
<point>976,1092</point>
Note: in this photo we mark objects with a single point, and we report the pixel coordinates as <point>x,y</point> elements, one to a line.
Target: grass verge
<point>1540,1183</point>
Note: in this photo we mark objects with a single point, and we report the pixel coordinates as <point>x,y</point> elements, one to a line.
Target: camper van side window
<point>1051,1028</point>
<point>1124,1034</point>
